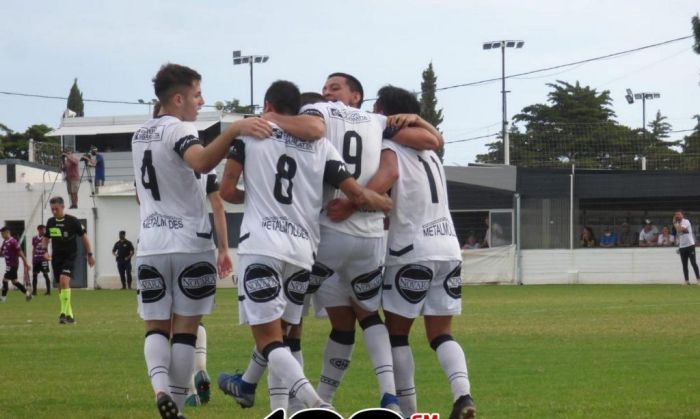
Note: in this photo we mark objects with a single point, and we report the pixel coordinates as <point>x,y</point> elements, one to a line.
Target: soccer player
<point>284,179</point>
<point>423,262</point>
<point>352,251</point>
<point>13,253</point>
<point>39,264</point>
<point>175,254</point>
<point>63,231</point>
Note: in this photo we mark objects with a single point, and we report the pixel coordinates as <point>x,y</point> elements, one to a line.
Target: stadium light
<point>643,96</point>
<point>239,59</point>
<point>503,45</point>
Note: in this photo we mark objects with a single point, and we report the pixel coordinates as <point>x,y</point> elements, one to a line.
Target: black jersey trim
<point>243,237</point>
<point>401,252</point>
<point>237,151</point>
<point>335,173</point>
<point>184,143</point>
<point>204,235</point>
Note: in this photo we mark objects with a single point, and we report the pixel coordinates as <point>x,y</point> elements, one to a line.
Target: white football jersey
<point>284,178</point>
<point>420,224</point>
<point>174,218</point>
<point>357,135</point>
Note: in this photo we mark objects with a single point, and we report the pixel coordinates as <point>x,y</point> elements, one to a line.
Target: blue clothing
<point>608,240</point>
<point>99,167</point>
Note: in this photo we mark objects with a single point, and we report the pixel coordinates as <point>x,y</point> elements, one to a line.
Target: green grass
<point>534,352</point>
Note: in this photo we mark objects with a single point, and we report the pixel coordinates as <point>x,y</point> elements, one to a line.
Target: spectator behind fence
<point>71,169</point>
<point>587,237</point>
<point>471,242</point>
<point>666,239</point>
<point>608,238</point>
<point>648,235</point>
<point>625,238</point>
<point>98,162</point>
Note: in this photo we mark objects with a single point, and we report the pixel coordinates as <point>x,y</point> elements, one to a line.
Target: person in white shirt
<point>284,183</point>
<point>648,235</point>
<point>666,239</point>
<point>686,244</point>
<point>423,263</point>
<point>176,265</point>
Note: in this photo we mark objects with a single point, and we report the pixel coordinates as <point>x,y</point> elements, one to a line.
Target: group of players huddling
<point>316,182</point>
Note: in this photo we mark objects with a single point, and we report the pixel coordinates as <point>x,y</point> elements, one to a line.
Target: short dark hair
<point>171,78</point>
<point>284,96</point>
<point>393,100</point>
<point>56,200</point>
<point>40,226</point>
<point>122,233</point>
<point>308,98</point>
<point>4,229</point>
<point>353,83</point>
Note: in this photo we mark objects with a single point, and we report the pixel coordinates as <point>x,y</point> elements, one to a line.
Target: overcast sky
<point>115,47</point>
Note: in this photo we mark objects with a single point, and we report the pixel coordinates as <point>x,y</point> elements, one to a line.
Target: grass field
<point>534,352</point>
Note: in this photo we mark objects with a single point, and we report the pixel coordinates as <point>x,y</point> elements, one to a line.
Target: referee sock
<point>453,362</point>
<point>181,364</point>
<point>69,308</point>
<point>63,297</point>
<point>404,371</point>
<point>379,350</point>
<point>336,360</point>
<point>156,350</point>
<point>256,368</point>
<point>282,364</point>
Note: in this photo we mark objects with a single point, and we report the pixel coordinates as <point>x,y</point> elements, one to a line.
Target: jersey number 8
<point>286,169</point>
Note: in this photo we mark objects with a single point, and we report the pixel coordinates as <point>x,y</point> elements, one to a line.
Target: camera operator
<point>71,172</point>
<point>686,244</point>
<point>98,162</point>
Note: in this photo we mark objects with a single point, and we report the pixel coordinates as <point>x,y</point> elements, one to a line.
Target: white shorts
<point>176,283</point>
<point>429,288</point>
<point>356,263</point>
<point>270,289</point>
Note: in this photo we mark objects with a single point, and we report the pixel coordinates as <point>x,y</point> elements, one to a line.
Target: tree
<point>234,106</point>
<point>428,101</point>
<point>696,31</point>
<point>75,99</point>
<point>659,127</point>
<point>576,126</point>
<point>691,147</point>
<point>15,145</point>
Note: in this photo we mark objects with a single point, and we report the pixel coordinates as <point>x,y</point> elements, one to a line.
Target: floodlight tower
<point>644,96</point>
<point>239,59</point>
<point>503,45</point>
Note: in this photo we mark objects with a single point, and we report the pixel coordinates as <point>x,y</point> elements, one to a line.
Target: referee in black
<point>123,250</point>
<point>63,231</point>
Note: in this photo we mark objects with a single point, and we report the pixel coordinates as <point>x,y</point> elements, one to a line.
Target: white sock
<point>282,364</point>
<point>452,361</point>
<point>156,350</point>
<point>404,371</point>
<point>336,360</point>
<point>256,368</point>
<point>181,365</point>
<point>200,356</point>
<point>294,404</point>
<point>279,393</point>
<point>379,350</point>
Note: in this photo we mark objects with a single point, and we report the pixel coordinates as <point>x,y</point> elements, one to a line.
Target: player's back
<point>173,214</point>
<point>420,224</point>
<point>283,178</point>
<point>357,136</point>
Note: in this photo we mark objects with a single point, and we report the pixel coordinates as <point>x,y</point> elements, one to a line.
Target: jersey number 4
<point>149,172</point>
<point>286,169</point>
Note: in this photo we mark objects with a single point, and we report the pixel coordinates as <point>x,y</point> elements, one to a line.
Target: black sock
<point>20,287</point>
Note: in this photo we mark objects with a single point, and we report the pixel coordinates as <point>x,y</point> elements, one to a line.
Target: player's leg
<point>127,268</point>
<point>194,287</point>
<point>293,341</point>
<point>65,296</point>
<point>156,351</point>
<point>404,367</point>
<point>444,301</point>
<point>5,288</point>
<point>45,272</point>
<point>200,384</point>
<point>684,262</point>
<point>36,267</point>
<point>694,263</point>
<point>337,353</point>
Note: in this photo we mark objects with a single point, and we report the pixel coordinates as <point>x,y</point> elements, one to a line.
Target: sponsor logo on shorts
<point>198,281</point>
<point>319,273</point>
<point>151,284</point>
<point>261,283</point>
<point>453,283</point>
<point>295,287</point>
<point>413,282</point>
<point>339,363</point>
<point>367,285</point>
